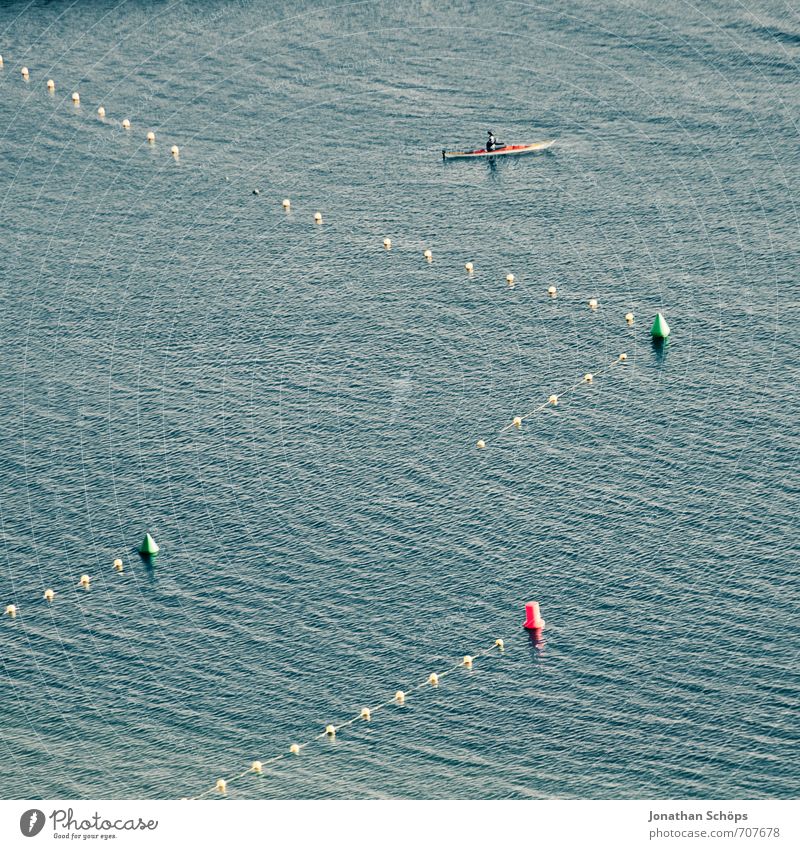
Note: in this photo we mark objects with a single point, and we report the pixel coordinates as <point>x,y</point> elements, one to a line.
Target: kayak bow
<point>508,150</point>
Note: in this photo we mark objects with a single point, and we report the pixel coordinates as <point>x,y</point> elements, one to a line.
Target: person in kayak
<point>492,143</point>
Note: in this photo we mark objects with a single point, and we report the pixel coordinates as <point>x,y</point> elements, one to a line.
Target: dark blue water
<point>292,411</point>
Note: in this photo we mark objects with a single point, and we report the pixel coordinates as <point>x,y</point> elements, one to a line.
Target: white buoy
<point>257,767</point>
<point>592,303</point>
<point>366,714</point>
<point>222,785</point>
<point>629,317</point>
<point>588,378</point>
<point>85,581</point>
<point>151,136</point>
<point>126,124</point>
<point>51,86</point>
<point>1,61</point>
<point>294,749</point>
<point>470,267</point>
<point>623,357</point>
<point>25,73</point>
<point>118,565</point>
<point>11,611</point>
<point>467,661</point>
<point>428,254</point>
<point>553,399</point>
<point>101,111</point>
<point>330,730</point>
<point>49,595</point>
<point>433,679</point>
<point>552,291</point>
<point>400,697</point>
<point>517,422</point>
<point>481,444</point>
<point>256,191</point>
<point>76,98</point>
<point>510,279</point>
<point>500,644</point>
<point>287,204</point>
<point>387,243</point>
<point>175,150</point>
<point>318,218</point>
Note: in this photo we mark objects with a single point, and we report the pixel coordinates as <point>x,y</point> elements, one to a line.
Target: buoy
<point>500,644</point>
<point>11,611</point>
<point>1,61</point>
<point>469,266</point>
<point>25,73</point>
<point>467,661</point>
<point>428,254</point>
<point>433,679</point>
<point>85,581</point>
<point>287,204</point>
<point>481,444</point>
<point>222,785</point>
<point>294,749</point>
<point>151,136</point>
<point>330,730</point>
<point>552,291</point>
<point>553,399</point>
<point>149,546</point>
<point>588,378</point>
<point>118,565</point>
<point>517,422</point>
<point>366,714</point>
<point>126,124</point>
<point>49,595</point>
<point>510,279</point>
<point>400,697</point>
<point>660,328</point>
<point>175,150</point>
<point>101,111</point>
<point>51,86</point>
<point>256,192</point>
<point>533,619</point>
<point>76,98</point>
<point>318,218</point>
<point>623,357</point>
<point>257,767</point>
<point>592,303</point>
<point>387,243</point>
<point>629,317</point>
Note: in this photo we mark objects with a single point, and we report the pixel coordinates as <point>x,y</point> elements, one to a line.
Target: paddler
<point>492,143</point>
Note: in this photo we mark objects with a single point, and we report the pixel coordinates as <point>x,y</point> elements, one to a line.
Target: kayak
<point>508,150</point>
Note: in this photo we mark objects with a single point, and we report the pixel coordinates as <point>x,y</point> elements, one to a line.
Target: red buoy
<point>533,619</point>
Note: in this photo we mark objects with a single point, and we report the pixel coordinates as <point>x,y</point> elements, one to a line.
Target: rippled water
<point>292,410</point>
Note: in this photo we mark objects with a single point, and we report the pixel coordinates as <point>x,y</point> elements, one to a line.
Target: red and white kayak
<point>508,150</point>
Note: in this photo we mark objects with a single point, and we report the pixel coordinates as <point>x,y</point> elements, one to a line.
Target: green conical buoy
<point>148,546</point>
<point>660,328</point>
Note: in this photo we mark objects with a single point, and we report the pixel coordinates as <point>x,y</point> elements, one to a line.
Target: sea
<point>292,410</point>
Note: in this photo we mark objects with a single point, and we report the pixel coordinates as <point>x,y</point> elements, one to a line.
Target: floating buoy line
<point>365,714</point>
<point>148,550</point>
<point>75,98</point>
<point>553,400</point>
